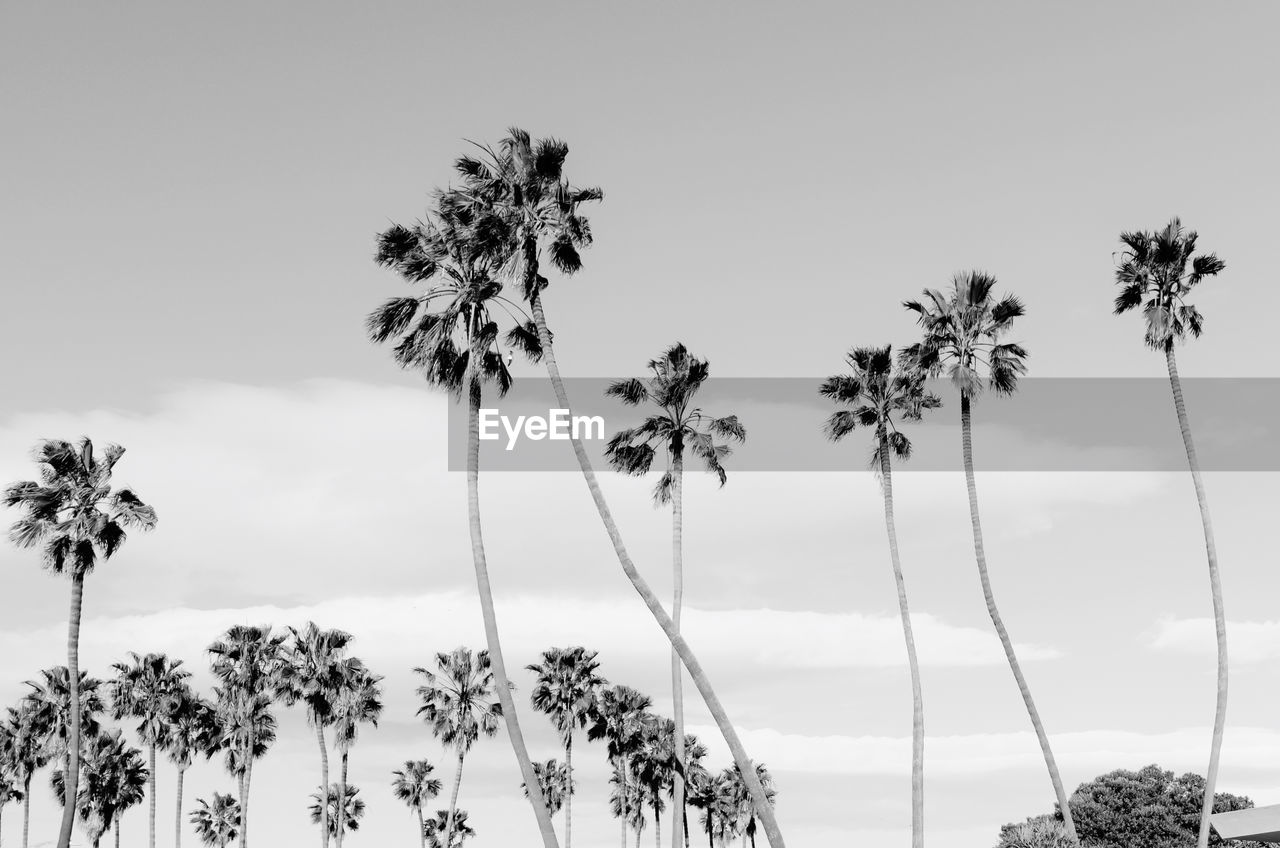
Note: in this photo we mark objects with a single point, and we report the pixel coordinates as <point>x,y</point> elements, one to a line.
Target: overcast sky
<point>190,199</point>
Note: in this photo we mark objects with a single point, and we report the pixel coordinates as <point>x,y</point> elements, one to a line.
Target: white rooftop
<point>1261,824</point>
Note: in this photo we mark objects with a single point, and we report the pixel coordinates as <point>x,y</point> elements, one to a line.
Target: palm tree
<point>415,786</point>
<point>962,340</point>
<point>620,718</point>
<point>457,702</point>
<point>733,776</point>
<point>359,702</point>
<point>524,181</point>
<point>695,772</point>
<point>626,803</point>
<point>112,780</point>
<point>654,767</point>
<point>672,386</point>
<point>145,689</point>
<point>347,814</point>
<point>566,691</point>
<point>1157,271</point>
<point>10,772</point>
<point>49,705</point>
<point>879,393</point>
<point>217,823</point>
<point>26,753</point>
<point>191,729</point>
<point>313,673</point>
<point>715,796</point>
<point>436,827</point>
<point>75,519</point>
<point>249,661</point>
<point>451,334</point>
<point>556,784</point>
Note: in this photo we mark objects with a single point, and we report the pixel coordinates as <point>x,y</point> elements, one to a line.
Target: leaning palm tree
<point>459,831</point>
<point>556,784</point>
<point>359,702</point>
<point>26,752</point>
<point>415,786</point>
<point>315,667</point>
<point>76,519</point>
<point>451,334</point>
<point>249,663</point>
<point>671,387</point>
<point>191,729</point>
<point>146,689</point>
<point>963,329</point>
<point>879,394</point>
<point>1157,272</point>
<point>566,691</point>
<point>523,180</point>
<point>352,808</point>
<point>620,719</point>
<point>458,703</point>
<point>217,823</point>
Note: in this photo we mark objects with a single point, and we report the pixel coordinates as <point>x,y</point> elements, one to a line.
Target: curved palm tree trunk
<point>917,701</point>
<point>342,802</point>
<point>324,783</point>
<point>646,593</point>
<point>73,681</point>
<point>151,790</point>
<point>677,671</point>
<point>509,715</point>
<point>1215,587</point>
<point>177,820</point>
<point>422,826</point>
<point>966,435</point>
<point>568,793</point>
<point>26,811</point>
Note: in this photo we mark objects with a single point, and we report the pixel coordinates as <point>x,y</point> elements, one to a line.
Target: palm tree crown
<point>555,781</point>
<point>414,785</point>
<point>217,823</point>
<point>567,687</point>
<point>1157,271</point>
<point>881,393</point>
<point>458,700</point>
<point>49,706</point>
<point>349,815</point>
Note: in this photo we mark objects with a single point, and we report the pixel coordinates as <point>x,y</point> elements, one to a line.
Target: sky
<point>190,200</point>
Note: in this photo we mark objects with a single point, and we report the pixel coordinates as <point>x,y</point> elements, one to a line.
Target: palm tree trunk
<point>26,811</point>
<point>657,822</point>
<point>642,588</point>
<point>501,683</point>
<point>620,767</point>
<point>917,701</point>
<point>177,821</point>
<point>1215,587</point>
<point>342,801</point>
<point>568,795</point>
<point>117,829</point>
<point>73,682</point>
<point>684,815</point>
<point>966,436</point>
<point>324,782</point>
<point>244,793</point>
<point>151,790</point>
<point>453,799</point>
<point>677,671</point>
<point>422,828</point>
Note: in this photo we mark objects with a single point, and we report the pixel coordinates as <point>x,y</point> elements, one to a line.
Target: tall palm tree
<point>315,668</point>
<point>1157,271</point>
<point>451,334</point>
<point>880,393</point>
<point>524,181</point>
<point>191,730</point>
<point>145,688</point>
<point>963,329</point>
<point>217,823</point>
<point>566,690</point>
<point>352,808</point>
<point>738,788</point>
<point>672,386</point>
<point>112,780</point>
<point>72,514</point>
<point>359,702</point>
<point>620,719</point>
<point>458,703</point>
<point>415,786</point>
<point>556,784</point>
<point>27,753</point>
<point>249,662</point>
<point>439,825</point>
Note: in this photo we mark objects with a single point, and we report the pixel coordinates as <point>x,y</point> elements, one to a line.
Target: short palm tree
<point>249,663</point>
<point>676,425</point>
<point>654,767</point>
<point>695,773</point>
<point>458,704</point>
<point>437,826</point>
<point>523,181</point>
<point>620,719</point>
<point>738,789</point>
<point>352,808</point>
<point>451,334</point>
<point>75,518</point>
<point>567,687</point>
<point>556,784</point>
<point>963,332</point>
<point>415,786</point>
<point>627,800</point>
<point>49,703</point>
<point>146,689</point>
<point>359,702</point>
<point>112,780</point>
<point>191,730</point>
<point>313,672</point>
<point>217,823</point>
<point>1157,272</point>
<point>716,797</point>
<point>10,772</point>
<point>877,394</point>
<point>26,753</point>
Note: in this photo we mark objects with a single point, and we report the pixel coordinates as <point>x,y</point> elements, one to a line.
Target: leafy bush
<point>1039,832</point>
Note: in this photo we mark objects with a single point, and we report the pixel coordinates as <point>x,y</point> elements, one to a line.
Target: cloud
<point>1250,641</point>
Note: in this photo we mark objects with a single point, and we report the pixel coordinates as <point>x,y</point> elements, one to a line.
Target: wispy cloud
<point>1250,641</point>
